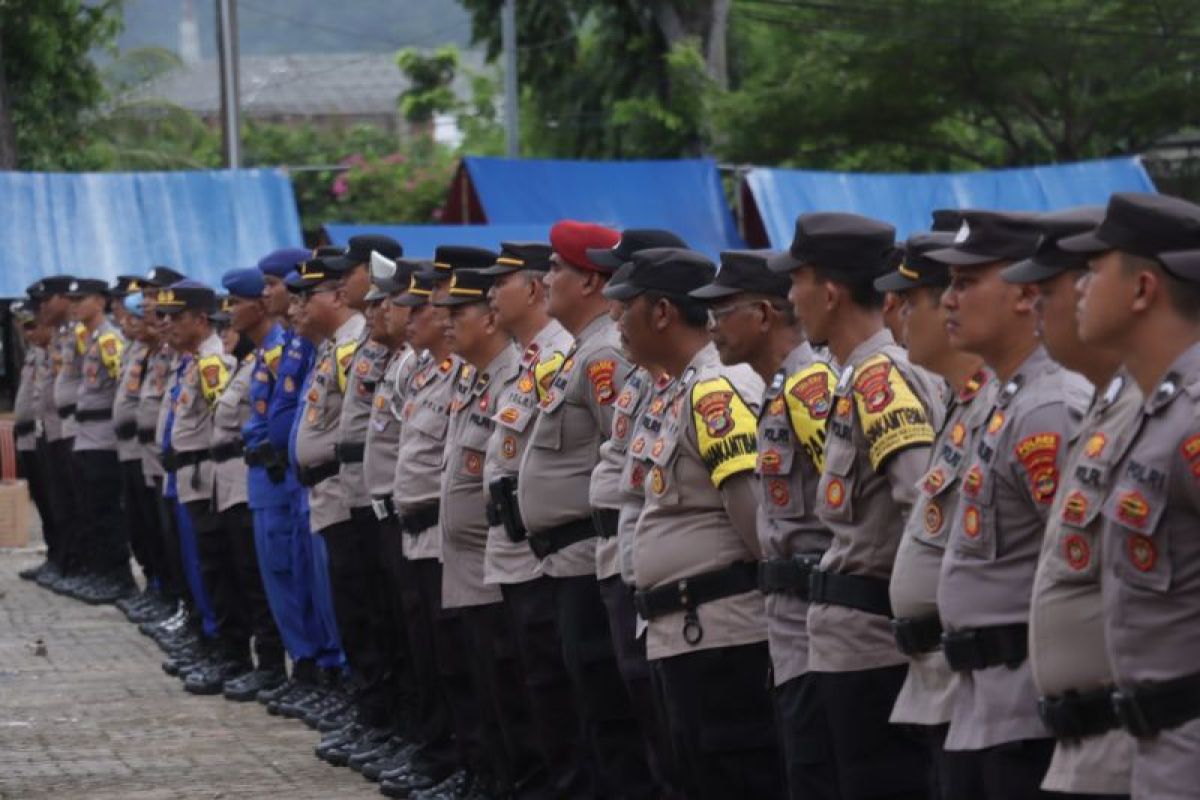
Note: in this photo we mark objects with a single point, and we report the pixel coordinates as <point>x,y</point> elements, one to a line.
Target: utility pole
<point>508,37</point>
<point>227,50</point>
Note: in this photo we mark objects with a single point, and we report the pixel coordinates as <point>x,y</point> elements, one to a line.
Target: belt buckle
<point>1131,714</point>
<point>379,506</point>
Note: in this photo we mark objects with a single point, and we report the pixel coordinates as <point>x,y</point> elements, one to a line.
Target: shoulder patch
<point>214,375</point>
<point>600,375</point>
<point>809,395</point>
<point>544,372</point>
<point>1038,453</point>
<point>345,356</point>
<point>891,415</point>
<point>271,357</point>
<point>726,429</point>
<point>110,353</point>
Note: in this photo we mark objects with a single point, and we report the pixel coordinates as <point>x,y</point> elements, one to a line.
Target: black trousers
<point>360,604</point>
<point>251,598</point>
<point>721,722</point>
<point>610,727</point>
<point>872,758</point>
<point>66,497</point>
<point>513,761</point>
<point>141,517</point>
<point>1010,771</point>
<point>218,571</point>
<point>804,738</point>
<point>174,584</point>
<point>639,682</point>
<point>569,769</point>
<point>440,732</point>
<point>397,578</point>
<point>105,543</point>
<point>32,466</point>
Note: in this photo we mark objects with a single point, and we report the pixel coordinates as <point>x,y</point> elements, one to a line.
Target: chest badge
<point>1077,552</point>
<point>971,522</point>
<point>835,493</point>
<point>1142,552</point>
<point>778,491</point>
<point>933,518</point>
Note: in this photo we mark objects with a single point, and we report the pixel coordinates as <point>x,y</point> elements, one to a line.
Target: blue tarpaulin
<point>419,241</point>
<point>683,196</point>
<point>105,224</point>
<point>907,201</point>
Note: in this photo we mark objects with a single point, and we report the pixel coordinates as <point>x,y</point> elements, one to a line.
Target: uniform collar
<point>1185,371</point>
<point>542,342</point>
<point>351,329</point>
<point>1035,364</point>
<point>869,346</point>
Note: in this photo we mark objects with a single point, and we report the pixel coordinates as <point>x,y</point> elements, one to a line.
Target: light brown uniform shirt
<point>25,404</point>
<point>1151,560</point>
<point>203,381</point>
<point>507,561</point>
<point>72,341</point>
<point>574,419</point>
<point>995,537</point>
<point>151,411</point>
<point>1066,626</point>
<point>700,479</point>
<point>366,373</point>
<point>100,373</point>
<point>878,437</point>
<point>47,372</point>
<point>605,490</point>
<point>424,420</point>
<point>231,412</point>
<point>125,401</point>
<point>464,496</point>
<point>791,452</point>
<point>322,413</point>
<point>383,430</point>
<point>927,695</point>
<point>647,405</point>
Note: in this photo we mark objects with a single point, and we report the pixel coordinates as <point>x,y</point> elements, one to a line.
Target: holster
<point>504,509</point>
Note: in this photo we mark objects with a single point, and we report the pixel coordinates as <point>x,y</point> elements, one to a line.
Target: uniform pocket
<point>835,492</point>
<point>1074,557</point>
<point>547,432</point>
<point>1142,544</point>
<point>975,527</point>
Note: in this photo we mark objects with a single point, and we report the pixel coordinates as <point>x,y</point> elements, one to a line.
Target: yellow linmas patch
<point>726,429</point>
<point>809,397</point>
<point>214,377</point>
<point>81,337</point>
<point>271,358</point>
<point>544,372</point>
<point>110,353</point>
<point>345,356</point>
<point>890,414</point>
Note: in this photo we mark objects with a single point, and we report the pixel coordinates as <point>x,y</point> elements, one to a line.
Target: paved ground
<point>96,717</point>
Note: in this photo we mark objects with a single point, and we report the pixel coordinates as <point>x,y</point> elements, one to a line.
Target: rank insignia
<point>958,434</point>
<point>509,415</point>
<point>658,481</point>
<point>843,406</point>
<point>934,481</point>
<point>1095,445</point>
<point>525,384</point>
<point>996,422</point>
<point>1132,509</point>
<point>768,462</point>
<point>776,406</point>
<point>1074,509</point>
<point>973,481</point>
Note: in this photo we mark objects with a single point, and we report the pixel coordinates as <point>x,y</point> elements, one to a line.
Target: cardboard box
<point>14,514</point>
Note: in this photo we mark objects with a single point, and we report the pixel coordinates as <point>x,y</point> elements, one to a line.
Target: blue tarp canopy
<point>907,201</point>
<point>683,196</point>
<point>105,224</point>
<point>419,241</point>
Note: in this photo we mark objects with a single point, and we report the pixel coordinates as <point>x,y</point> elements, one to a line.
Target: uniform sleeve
<point>904,472</point>
<point>809,395</point>
<point>603,378</point>
<point>892,417</point>
<point>726,429</point>
<point>741,499</point>
<point>1037,448</point>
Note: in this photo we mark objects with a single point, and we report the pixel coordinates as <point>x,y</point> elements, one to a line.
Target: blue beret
<point>282,262</point>
<point>135,304</point>
<point>245,283</point>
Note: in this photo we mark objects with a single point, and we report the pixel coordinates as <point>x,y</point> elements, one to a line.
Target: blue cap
<point>283,261</point>
<point>135,303</point>
<point>245,283</point>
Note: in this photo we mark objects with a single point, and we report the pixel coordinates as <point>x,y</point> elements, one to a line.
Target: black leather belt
<point>66,411</point>
<point>311,476</point>
<point>852,591</point>
<point>265,455</point>
<point>788,575</point>
<point>93,414</point>
<point>1077,715</point>
<point>172,460</point>
<point>383,507</point>
<point>25,428</point>
<point>349,452</point>
<point>980,648</point>
<point>503,509</point>
<point>1149,708</point>
<point>226,451</point>
<point>546,543</point>
<point>687,594</point>
<point>605,522</point>
<point>145,435</point>
<point>126,430</point>
<point>916,635</point>
<point>419,519</point>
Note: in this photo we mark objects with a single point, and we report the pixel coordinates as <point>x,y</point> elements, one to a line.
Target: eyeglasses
<point>715,315</point>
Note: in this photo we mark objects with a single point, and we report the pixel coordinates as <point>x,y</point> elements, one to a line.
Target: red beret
<point>571,240</point>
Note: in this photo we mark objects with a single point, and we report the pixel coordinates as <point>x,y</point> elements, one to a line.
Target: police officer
<point>35,337</point>
<point>878,437</point>
<point>753,323</point>
<point>995,534</point>
<point>104,540</point>
<point>1143,303</point>
<point>927,696</point>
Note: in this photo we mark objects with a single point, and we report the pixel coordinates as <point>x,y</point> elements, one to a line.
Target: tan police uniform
<point>605,493</point>
<point>47,373</point>
<point>152,411</point>
<point>231,412</point>
<point>463,496</point>
<point>25,404</point>
<point>791,452</point>
<point>1151,585</point>
<point>366,373</point>
<point>928,692</point>
<point>995,536</point>
<point>317,435</point>
<point>203,381</point>
<point>644,401</point>
<point>125,402</point>
<point>575,417</point>
<point>383,431</point>
<point>877,445</point>
<point>1067,648</point>
<point>425,416</point>
<point>72,342</point>
<point>684,530</point>
<point>101,371</point>
<point>508,558</point>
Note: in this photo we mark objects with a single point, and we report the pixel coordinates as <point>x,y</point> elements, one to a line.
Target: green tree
<point>49,81</point>
<point>429,77</point>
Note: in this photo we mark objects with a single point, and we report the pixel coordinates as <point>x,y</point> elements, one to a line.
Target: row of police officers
<point>600,518</point>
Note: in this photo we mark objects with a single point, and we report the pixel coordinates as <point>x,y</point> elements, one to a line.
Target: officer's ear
<point>1028,295</point>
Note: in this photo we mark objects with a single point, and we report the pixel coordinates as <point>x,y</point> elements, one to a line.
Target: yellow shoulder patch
<point>271,358</point>
<point>345,356</point>
<point>110,353</point>
<point>81,337</point>
<point>544,372</point>
<point>725,429</point>
<point>891,415</point>
<point>214,376</point>
<point>809,397</point>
